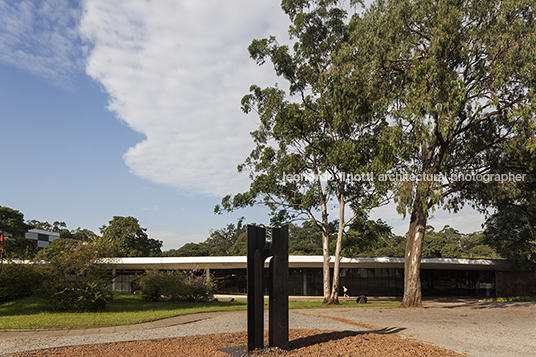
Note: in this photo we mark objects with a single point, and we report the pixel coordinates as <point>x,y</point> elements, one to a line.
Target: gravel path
<point>476,329</point>
<point>235,321</point>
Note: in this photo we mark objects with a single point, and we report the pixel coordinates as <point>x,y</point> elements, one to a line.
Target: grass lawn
<point>125,309</point>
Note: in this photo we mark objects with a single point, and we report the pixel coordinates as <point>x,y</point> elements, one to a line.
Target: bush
<point>77,281</point>
<point>174,285</point>
<point>18,280</point>
<point>151,284</point>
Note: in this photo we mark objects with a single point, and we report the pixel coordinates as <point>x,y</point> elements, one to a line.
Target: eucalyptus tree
<point>317,144</point>
<point>460,76</point>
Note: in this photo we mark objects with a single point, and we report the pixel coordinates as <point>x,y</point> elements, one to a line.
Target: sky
<point>132,108</point>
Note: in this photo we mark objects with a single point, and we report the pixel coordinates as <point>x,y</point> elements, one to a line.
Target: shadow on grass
<point>26,306</point>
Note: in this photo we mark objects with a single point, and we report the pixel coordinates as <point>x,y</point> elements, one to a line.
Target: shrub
<point>174,285</point>
<point>151,284</point>
<point>18,280</point>
<point>199,289</point>
<point>77,281</point>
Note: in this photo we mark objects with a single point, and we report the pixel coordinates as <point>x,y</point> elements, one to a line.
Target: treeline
<point>364,238</point>
<point>124,237</point>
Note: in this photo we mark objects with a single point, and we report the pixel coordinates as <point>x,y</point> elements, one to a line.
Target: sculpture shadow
<point>312,340</point>
<point>338,335</point>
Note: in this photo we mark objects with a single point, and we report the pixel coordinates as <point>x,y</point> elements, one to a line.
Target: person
<point>345,289</point>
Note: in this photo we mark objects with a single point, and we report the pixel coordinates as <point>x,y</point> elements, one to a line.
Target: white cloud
<point>176,71</point>
<point>41,37</point>
<point>173,240</point>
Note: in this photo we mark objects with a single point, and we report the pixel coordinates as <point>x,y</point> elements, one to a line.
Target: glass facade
<point>388,282</point>
<point>123,280</point>
<point>372,282</point>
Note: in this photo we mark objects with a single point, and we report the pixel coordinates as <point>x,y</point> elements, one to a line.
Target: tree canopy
<point>13,229</point>
<point>318,135</point>
<point>12,222</point>
<point>124,237</point>
<point>460,77</point>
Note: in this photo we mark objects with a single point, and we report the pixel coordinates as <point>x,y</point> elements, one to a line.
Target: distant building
<point>41,237</point>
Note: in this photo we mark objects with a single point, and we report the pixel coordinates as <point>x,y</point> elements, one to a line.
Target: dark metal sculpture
<point>277,287</point>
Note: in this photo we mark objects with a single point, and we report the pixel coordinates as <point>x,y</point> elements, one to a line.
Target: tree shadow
<point>491,304</point>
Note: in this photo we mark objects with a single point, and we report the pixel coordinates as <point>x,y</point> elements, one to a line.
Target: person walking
<point>345,289</point>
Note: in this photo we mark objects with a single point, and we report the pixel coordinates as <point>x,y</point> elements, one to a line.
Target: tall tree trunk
<point>334,297</point>
<point>325,251</point>
<point>325,237</point>
<point>412,262</point>
<point>325,265</point>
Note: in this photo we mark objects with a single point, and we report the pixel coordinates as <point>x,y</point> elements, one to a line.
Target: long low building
<point>372,276</point>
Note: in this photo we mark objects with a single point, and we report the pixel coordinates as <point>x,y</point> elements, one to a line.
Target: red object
<point>2,241</point>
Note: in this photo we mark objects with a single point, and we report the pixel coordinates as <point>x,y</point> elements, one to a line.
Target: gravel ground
<point>226,322</point>
<point>473,329</point>
<point>476,329</point>
<point>303,343</point>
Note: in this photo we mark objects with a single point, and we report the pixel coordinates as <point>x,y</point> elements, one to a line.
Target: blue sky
<point>133,108</point>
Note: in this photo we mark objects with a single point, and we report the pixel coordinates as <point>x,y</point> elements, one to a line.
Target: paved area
<point>472,328</point>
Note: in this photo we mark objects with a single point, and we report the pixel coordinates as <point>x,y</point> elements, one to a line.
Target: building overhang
<point>302,261</point>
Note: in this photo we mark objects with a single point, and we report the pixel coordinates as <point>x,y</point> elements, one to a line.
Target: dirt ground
<point>302,343</point>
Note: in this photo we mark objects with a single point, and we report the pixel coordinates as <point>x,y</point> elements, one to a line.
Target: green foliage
<point>433,246</point>
<point>450,243</point>
<point>189,250</point>
<point>221,241</point>
<point>451,250</point>
<point>61,227</point>
<point>12,222</point>
<point>305,239</point>
<point>174,285</point>
<point>460,81</point>
<point>18,280</point>
<point>151,284</point>
<point>511,233</point>
<point>54,227</point>
<point>511,229</point>
<point>19,248</point>
<point>230,240</point>
<point>371,238</point>
<point>315,137</point>
<point>483,251</point>
<point>76,280</point>
<point>124,237</point>
<point>57,247</point>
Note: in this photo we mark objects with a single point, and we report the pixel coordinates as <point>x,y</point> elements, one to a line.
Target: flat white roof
<point>42,231</point>
<point>303,261</point>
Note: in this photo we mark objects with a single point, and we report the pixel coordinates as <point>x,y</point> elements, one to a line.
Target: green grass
<point>125,309</point>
